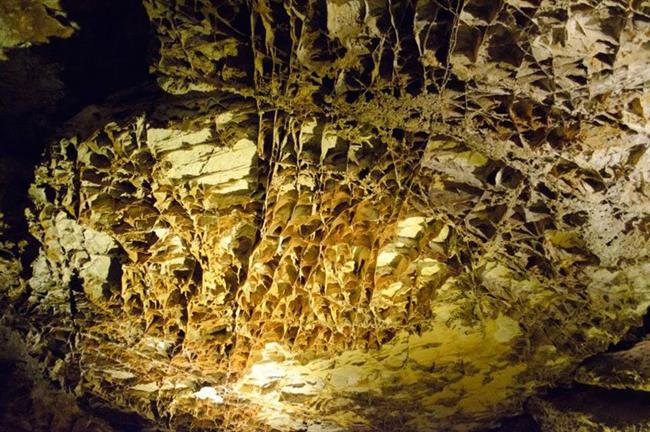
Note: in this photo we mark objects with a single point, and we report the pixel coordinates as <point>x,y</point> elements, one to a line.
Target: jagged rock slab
<point>27,22</point>
<point>628,369</point>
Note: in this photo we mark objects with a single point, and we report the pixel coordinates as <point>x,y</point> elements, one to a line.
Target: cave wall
<point>347,215</point>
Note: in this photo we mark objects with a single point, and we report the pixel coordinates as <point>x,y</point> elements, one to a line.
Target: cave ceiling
<point>341,215</point>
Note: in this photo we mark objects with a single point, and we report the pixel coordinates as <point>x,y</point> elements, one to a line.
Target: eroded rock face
<point>324,273</point>
<point>593,409</point>
<point>627,369</point>
<point>27,22</point>
<point>352,216</point>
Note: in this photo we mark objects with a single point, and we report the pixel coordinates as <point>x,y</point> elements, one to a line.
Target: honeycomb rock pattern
<point>351,215</point>
<point>322,270</point>
<point>534,68</point>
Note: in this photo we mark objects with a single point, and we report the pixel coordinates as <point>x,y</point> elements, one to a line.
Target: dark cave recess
<point>44,85</point>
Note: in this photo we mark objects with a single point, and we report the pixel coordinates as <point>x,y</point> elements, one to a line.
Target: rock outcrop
<point>628,369</point>
<point>27,22</point>
<point>350,215</point>
<point>589,409</point>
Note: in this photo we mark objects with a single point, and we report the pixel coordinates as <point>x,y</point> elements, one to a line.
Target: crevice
<point>633,336</point>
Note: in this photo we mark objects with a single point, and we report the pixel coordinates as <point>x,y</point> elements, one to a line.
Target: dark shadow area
<point>119,420</point>
<point>44,85</point>
<point>41,87</point>
<point>29,404</point>
<point>521,423</point>
<point>609,408</point>
<point>617,409</point>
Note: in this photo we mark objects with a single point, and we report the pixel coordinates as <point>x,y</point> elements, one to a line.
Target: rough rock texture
<point>27,22</point>
<point>28,402</point>
<point>611,395</point>
<point>351,215</point>
<point>589,409</point>
<point>628,369</point>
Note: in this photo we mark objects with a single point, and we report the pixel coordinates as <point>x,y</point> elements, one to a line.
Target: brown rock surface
<point>349,215</point>
<point>627,369</point>
<point>27,22</point>
<point>592,409</point>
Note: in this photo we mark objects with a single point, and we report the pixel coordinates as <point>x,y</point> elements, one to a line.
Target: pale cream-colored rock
<point>96,274</point>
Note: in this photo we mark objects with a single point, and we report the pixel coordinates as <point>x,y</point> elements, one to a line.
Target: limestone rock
<point>27,22</point>
<point>351,215</point>
<point>306,271</point>
<point>628,369</point>
<point>591,409</point>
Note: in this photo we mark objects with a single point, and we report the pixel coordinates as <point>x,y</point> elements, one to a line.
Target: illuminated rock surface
<point>350,215</point>
<point>27,22</point>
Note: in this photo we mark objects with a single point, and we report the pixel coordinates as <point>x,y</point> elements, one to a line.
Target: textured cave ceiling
<point>325,215</point>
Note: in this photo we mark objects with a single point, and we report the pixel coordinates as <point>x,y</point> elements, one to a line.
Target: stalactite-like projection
<point>348,215</point>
